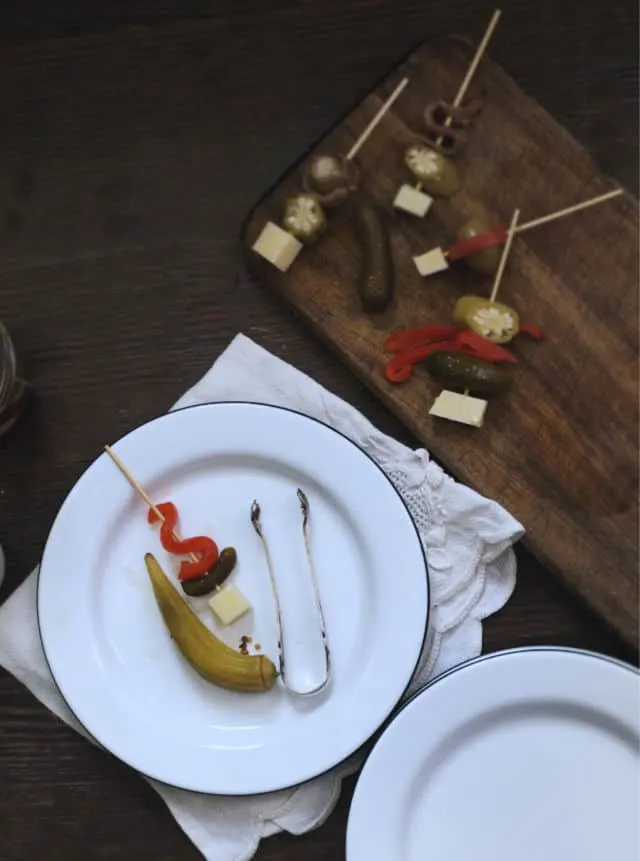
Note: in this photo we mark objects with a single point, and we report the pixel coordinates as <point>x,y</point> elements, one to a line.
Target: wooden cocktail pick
<point>439,259</point>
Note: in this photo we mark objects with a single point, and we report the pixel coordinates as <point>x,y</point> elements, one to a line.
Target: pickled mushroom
<point>330,178</point>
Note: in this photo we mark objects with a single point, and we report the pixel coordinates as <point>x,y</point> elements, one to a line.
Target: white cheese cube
<point>410,200</point>
<point>228,605</point>
<point>431,262</point>
<point>277,246</point>
<point>459,408</point>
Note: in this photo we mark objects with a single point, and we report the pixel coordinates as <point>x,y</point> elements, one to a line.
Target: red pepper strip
<point>400,341</point>
<point>477,243</point>
<point>475,345</point>
<point>400,368</point>
<point>531,330</point>
<point>200,544</point>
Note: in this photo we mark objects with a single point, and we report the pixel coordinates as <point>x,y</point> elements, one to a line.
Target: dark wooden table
<point>135,138</point>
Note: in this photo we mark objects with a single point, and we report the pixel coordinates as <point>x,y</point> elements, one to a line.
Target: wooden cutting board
<point>560,450</point>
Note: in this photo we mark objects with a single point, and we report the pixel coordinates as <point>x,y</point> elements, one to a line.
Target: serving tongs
<point>257,525</point>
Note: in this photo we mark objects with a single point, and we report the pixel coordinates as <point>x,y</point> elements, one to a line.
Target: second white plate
<point>528,754</point>
<point>110,652</point>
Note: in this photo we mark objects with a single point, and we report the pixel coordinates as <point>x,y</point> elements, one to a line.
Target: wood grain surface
<point>560,450</point>
<point>135,139</point>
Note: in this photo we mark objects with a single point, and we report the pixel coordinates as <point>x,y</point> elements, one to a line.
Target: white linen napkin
<point>468,540</point>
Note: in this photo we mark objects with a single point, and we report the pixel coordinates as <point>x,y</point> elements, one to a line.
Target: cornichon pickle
<point>485,261</point>
<point>457,371</point>
<point>437,174</point>
<point>375,286</point>
<point>493,320</point>
<point>214,578</point>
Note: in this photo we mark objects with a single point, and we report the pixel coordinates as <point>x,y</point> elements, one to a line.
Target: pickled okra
<point>437,174</point>
<point>492,320</point>
<point>304,217</point>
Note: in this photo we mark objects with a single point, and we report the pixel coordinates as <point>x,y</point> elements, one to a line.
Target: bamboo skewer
<point>475,62</point>
<point>562,213</point>
<point>505,254</point>
<point>140,490</point>
<point>374,122</point>
<point>503,261</point>
<point>482,47</point>
<point>569,210</point>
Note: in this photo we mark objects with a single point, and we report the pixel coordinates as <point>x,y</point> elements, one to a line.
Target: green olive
<point>304,217</point>
<point>457,371</point>
<point>485,261</point>
<point>493,320</point>
<point>437,174</point>
<point>214,578</point>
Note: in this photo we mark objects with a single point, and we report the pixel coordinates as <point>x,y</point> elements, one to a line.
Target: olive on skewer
<point>485,260</point>
<point>478,242</point>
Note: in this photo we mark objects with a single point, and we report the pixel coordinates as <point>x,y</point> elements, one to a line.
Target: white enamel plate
<point>110,652</point>
<point>527,754</point>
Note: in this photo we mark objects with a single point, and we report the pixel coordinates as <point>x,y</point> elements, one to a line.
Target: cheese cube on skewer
<point>459,408</point>
<point>228,605</point>
<point>410,200</point>
<point>277,246</point>
<point>431,262</point>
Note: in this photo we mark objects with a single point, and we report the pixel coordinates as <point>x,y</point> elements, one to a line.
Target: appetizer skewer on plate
<point>327,181</point>
<point>207,570</point>
<point>207,654</point>
<point>447,126</point>
<point>478,243</point>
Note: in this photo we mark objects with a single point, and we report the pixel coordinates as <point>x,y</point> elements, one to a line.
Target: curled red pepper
<point>415,345</point>
<point>200,544</point>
